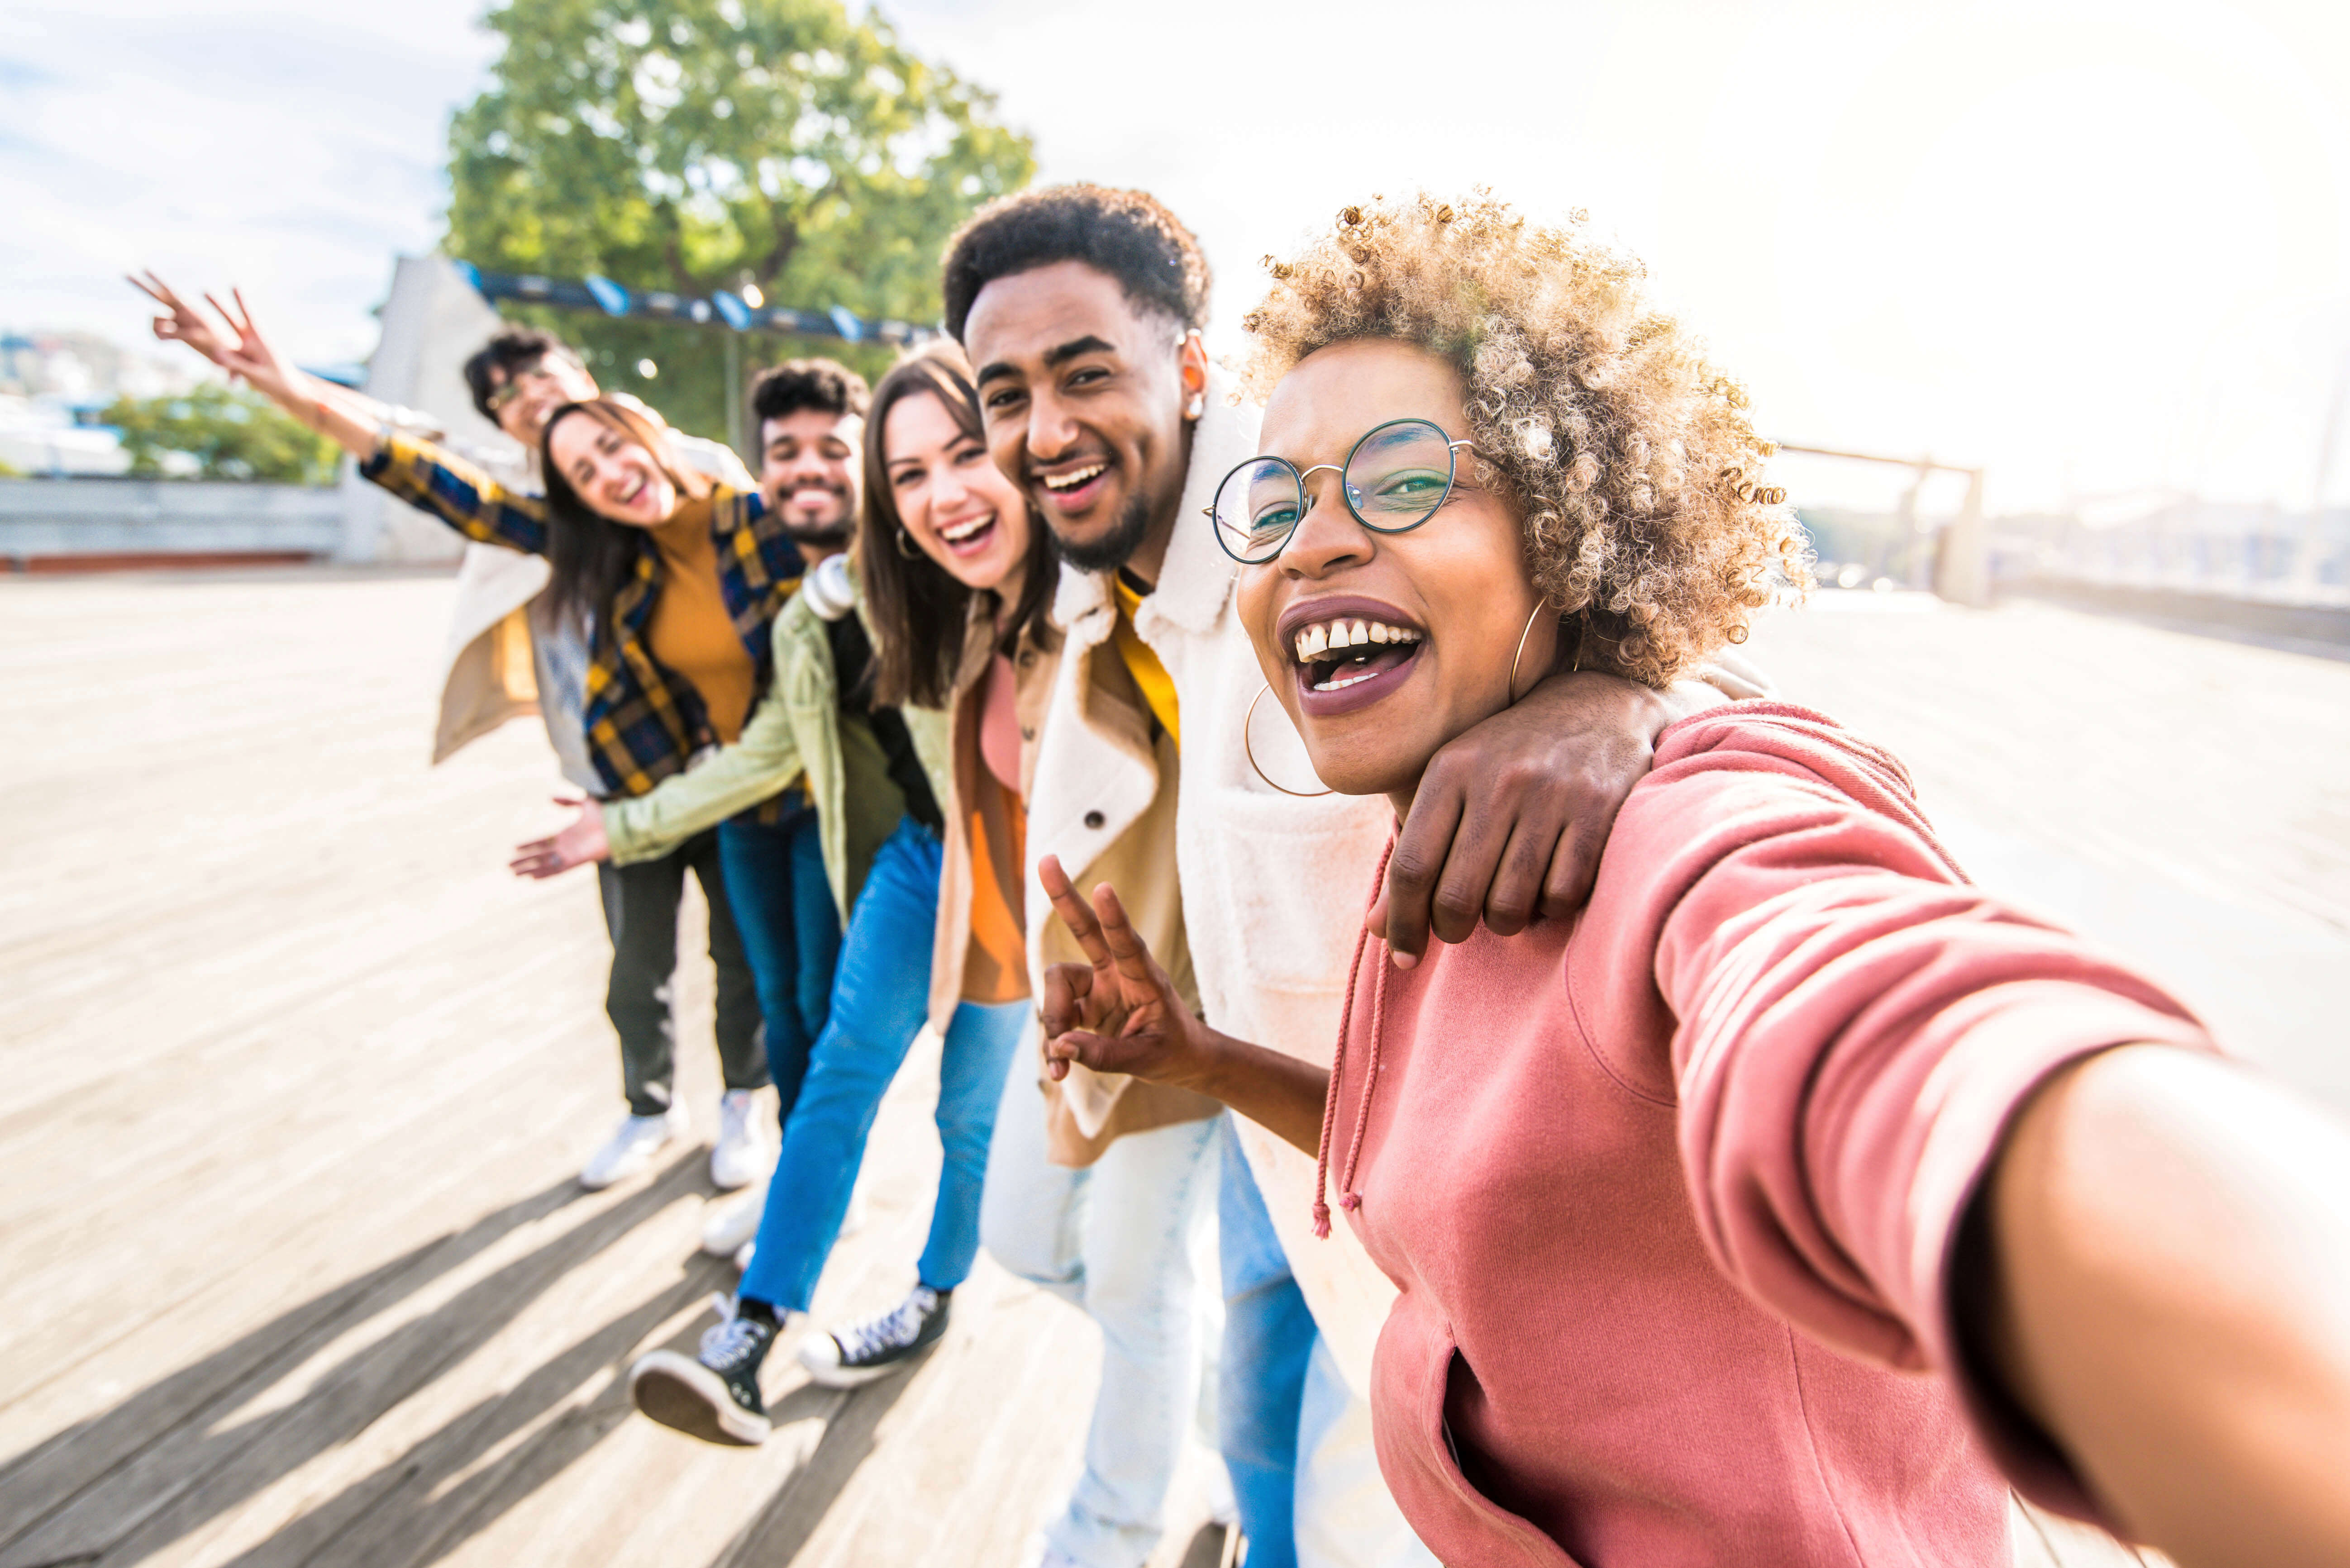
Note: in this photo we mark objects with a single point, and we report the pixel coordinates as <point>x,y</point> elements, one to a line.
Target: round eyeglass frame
<point>1452,473</point>
<point>507,390</point>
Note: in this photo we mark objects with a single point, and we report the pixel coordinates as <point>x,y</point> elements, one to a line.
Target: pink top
<point>1671,1190</point>
<point>999,722</point>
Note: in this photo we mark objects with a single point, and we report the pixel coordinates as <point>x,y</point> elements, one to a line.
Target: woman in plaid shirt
<point>678,579</point>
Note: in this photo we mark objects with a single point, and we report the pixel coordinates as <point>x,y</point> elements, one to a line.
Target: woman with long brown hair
<point>935,625</point>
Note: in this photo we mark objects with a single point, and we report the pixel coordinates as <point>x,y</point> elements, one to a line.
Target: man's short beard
<point>831,536</point>
<point>1115,548</point>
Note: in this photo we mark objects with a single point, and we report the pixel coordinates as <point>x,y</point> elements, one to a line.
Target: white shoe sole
<point>686,1397</point>
<point>734,1225</point>
<point>597,1180</point>
<point>734,1181</point>
<point>827,1373</point>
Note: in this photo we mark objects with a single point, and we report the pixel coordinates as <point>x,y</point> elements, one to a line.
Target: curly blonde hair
<point>1631,457</point>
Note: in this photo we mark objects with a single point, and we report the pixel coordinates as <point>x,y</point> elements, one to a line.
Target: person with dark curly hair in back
<point>1798,1198</point>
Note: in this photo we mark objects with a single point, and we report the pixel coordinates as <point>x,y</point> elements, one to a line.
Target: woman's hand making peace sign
<point>1120,1013</point>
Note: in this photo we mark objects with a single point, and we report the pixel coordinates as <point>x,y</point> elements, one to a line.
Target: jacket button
<point>1093,819</point>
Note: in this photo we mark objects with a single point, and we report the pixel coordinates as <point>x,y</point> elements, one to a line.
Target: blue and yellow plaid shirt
<point>644,721</point>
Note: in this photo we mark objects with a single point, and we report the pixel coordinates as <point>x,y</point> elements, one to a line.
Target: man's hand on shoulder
<point>1511,817</point>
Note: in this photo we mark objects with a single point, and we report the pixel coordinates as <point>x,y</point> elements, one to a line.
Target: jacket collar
<point>1197,576</point>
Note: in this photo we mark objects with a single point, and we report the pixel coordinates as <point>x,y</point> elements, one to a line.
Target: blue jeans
<point>879,1004</point>
<point>1268,1341</point>
<point>791,935</point>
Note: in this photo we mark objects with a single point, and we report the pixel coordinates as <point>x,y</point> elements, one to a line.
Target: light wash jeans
<point>879,1002</point>
<point>1117,1240</point>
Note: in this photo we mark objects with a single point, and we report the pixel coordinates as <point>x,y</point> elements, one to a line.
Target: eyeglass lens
<point>512,388</point>
<point>1394,478</point>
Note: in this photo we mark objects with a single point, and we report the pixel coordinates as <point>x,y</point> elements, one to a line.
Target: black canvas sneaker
<point>714,1397</point>
<point>858,1353</point>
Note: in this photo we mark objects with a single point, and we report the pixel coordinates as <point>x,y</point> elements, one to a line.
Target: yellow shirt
<point>1157,686</point>
<point>692,632</point>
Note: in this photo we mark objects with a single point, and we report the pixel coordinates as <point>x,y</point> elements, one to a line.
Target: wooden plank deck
<point>295,1269</point>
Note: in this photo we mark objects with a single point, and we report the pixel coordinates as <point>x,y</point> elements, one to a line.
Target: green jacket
<point>795,730</point>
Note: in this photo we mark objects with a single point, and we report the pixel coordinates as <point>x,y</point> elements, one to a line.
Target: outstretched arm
<point>183,323</point>
<point>1121,1014</point>
<point>1939,1133</point>
<point>2162,1281</point>
<point>349,418</point>
<point>354,425</point>
<point>419,473</point>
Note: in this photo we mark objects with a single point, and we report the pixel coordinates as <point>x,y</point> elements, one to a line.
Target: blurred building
<point>55,388</point>
<point>2257,552</point>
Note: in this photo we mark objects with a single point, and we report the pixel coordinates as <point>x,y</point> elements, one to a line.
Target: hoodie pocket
<point>1461,1525</point>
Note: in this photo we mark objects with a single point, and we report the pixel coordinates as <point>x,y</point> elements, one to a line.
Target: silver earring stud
<point>1195,407</point>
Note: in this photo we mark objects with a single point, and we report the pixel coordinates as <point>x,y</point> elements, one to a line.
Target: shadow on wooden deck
<point>173,1457</point>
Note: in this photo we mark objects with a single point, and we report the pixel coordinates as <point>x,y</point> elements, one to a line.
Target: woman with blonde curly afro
<point>1796,1198</point>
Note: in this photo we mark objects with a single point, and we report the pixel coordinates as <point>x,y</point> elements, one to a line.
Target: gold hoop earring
<point>906,544</point>
<point>1521,651</point>
<point>1248,749</point>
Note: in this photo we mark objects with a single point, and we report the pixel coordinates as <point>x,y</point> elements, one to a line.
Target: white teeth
<point>1333,637</point>
<point>957,534</point>
<point>1071,481</point>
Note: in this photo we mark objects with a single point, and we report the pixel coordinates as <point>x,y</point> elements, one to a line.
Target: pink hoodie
<point>1670,1191</point>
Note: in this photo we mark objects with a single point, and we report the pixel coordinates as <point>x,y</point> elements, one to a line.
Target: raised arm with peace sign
<point>1120,1013</point>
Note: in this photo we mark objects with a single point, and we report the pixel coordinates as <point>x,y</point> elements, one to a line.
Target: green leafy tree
<point>230,434</point>
<point>695,145</point>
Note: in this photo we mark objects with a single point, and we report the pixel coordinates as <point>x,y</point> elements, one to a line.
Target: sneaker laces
<point>729,1341</point>
<point>892,1330</point>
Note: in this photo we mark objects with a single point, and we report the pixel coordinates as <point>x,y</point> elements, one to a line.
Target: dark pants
<point>790,934</point>
<point>641,911</point>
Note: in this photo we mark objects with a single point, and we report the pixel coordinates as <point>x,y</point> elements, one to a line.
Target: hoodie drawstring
<point>1348,1199</point>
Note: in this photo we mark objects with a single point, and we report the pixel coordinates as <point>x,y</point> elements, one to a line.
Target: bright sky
<point>2100,248</point>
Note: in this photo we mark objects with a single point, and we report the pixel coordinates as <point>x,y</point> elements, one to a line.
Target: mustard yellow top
<point>692,632</point>
<point>1151,677</point>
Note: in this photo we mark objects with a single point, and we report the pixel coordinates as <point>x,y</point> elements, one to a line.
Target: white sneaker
<point>741,1157</point>
<point>731,1225</point>
<point>631,1148</point>
<point>857,1354</point>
